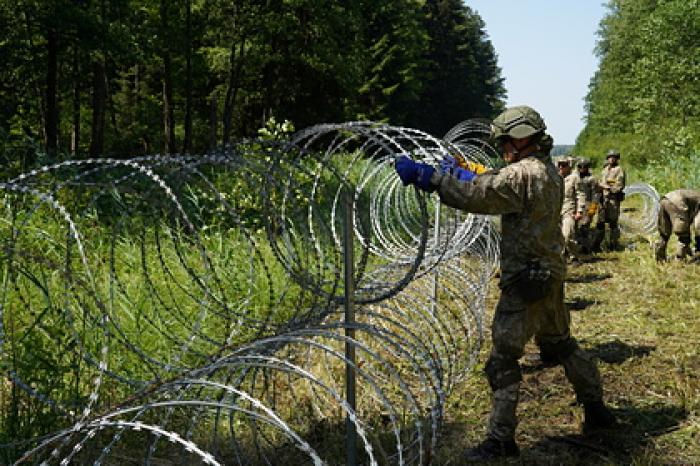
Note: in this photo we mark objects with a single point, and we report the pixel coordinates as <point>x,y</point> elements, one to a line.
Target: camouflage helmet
<point>613,153</point>
<point>583,162</point>
<point>517,122</point>
<point>564,160</point>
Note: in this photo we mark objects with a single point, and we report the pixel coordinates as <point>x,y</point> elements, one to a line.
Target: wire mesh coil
<point>189,308</point>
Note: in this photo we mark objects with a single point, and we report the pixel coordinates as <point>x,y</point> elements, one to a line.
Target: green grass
<point>642,321</point>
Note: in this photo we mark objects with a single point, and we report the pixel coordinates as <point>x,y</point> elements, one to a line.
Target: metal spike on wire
<point>190,308</point>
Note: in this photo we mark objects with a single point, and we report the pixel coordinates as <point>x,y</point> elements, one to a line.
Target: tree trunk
<point>232,89</point>
<point>99,92</point>
<point>51,121</point>
<point>187,143</point>
<point>168,112</point>
<point>213,121</point>
<point>99,98</point>
<point>75,135</point>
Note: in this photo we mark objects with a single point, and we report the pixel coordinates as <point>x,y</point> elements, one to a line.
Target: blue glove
<point>415,173</point>
<point>450,166</point>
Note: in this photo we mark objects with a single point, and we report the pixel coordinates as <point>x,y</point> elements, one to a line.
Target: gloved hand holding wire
<point>451,166</point>
<point>415,173</point>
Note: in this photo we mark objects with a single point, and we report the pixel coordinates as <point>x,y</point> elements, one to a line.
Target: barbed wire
<point>190,308</point>
<point>642,217</point>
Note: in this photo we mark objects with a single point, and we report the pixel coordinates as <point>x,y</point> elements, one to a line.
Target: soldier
<point>678,210</point>
<point>612,183</point>
<point>590,189</point>
<point>572,209</point>
<point>527,193</point>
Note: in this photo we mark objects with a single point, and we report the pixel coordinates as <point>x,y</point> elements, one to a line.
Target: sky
<point>546,54</point>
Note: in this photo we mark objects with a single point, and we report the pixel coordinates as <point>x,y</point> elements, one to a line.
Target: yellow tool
<point>473,167</point>
<point>593,208</point>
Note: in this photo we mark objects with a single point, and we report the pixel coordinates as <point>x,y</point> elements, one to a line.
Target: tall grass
<point>670,173</point>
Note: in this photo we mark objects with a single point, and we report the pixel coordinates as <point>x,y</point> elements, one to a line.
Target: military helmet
<point>613,153</point>
<point>583,162</point>
<point>517,122</point>
<point>564,160</point>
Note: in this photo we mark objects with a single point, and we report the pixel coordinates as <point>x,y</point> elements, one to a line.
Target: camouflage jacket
<point>528,196</point>
<point>685,200</point>
<point>591,192</point>
<point>574,195</point>
<point>590,186</point>
<point>612,180</point>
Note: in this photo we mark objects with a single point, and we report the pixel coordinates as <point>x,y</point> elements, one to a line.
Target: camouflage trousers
<point>584,235</point>
<point>609,213</point>
<point>568,230</point>
<point>676,220</point>
<point>514,323</point>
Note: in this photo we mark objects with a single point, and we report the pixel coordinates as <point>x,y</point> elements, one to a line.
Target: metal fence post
<point>350,376</point>
<point>436,275</point>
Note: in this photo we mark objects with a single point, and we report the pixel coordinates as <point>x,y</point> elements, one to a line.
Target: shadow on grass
<point>589,278</point>
<point>593,260</point>
<point>617,352</point>
<point>579,304</point>
<point>637,427</point>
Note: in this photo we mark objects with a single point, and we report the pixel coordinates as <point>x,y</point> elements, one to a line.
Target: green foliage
<point>644,97</point>
<point>232,65</point>
<point>463,79</point>
<point>668,173</point>
<point>275,131</point>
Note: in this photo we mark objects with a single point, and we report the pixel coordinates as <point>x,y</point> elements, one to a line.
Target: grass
<point>642,321</point>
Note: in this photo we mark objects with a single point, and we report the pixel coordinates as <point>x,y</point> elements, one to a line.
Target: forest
<point>644,99</point>
<point>85,78</point>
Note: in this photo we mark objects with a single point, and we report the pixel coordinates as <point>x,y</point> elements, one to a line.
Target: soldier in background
<point>573,207</point>
<point>589,186</point>
<point>612,183</point>
<point>678,210</point>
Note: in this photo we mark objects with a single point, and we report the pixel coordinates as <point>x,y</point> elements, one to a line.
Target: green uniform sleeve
<point>491,193</point>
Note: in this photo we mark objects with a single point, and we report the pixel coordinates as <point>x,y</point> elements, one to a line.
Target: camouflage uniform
<point>678,210</point>
<point>528,195</point>
<point>574,203</point>
<point>589,186</point>
<point>612,183</point>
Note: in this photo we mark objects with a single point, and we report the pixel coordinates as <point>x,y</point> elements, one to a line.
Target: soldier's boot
<point>597,416</point>
<point>581,370</point>
<point>598,236</point>
<point>492,448</point>
<point>548,357</point>
<point>683,247</point>
<point>500,440</point>
<point>584,240</point>
<point>614,237</point>
<point>660,249</point>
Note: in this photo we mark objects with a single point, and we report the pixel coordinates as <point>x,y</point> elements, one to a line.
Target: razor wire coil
<point>195,301</point>
<point>642,217</point>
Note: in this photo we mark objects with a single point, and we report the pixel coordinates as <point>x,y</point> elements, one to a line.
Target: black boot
<point>597,416</point>
<point>598,237</point>
<point>491,449</point>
